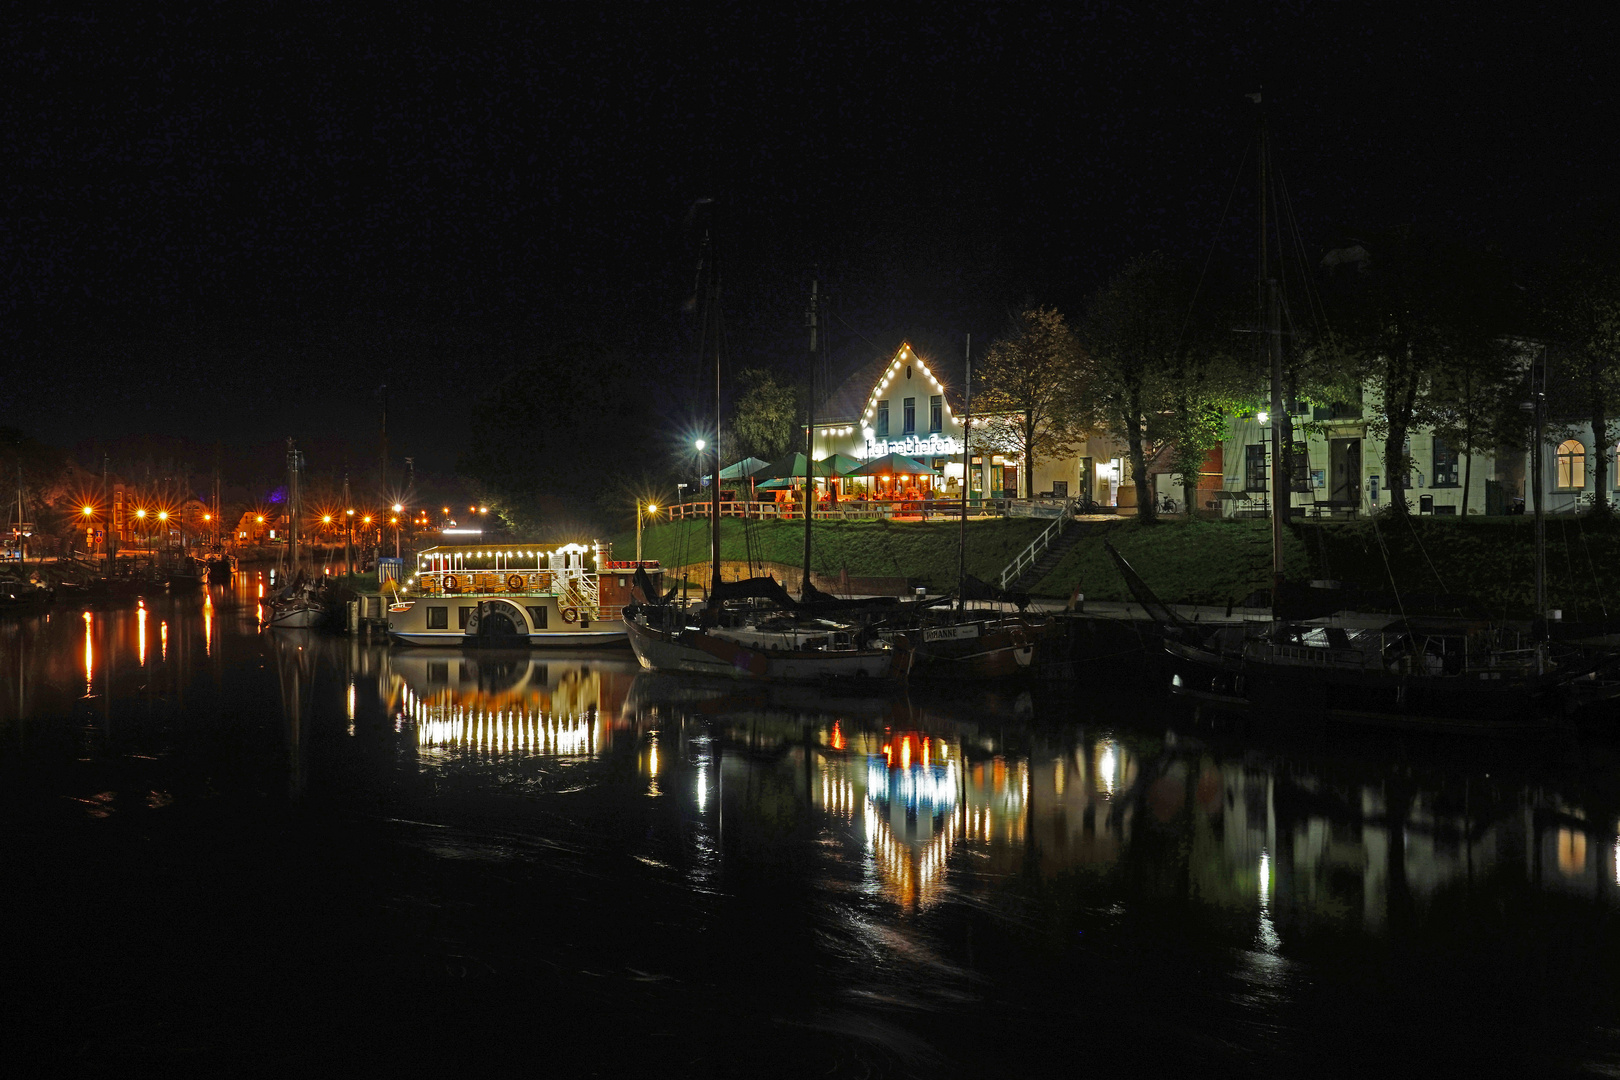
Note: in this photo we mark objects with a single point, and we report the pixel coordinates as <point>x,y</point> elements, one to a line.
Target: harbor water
<point>234,848</point>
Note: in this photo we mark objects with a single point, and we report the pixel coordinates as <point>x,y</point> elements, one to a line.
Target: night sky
<point>231,223</point>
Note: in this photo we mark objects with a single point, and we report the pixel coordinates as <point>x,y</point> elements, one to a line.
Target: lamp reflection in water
<point>652,764</point>
<point>702,787</point>
<point>208,624</point>
<point>163,639</point>
<point>140,629</point>
<point>1269,941</point>
<point>90,663</point>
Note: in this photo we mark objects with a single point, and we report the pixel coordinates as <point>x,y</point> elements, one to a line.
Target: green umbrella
<point>894,464</point>
<point>837,465</point>
<point>789,467</point>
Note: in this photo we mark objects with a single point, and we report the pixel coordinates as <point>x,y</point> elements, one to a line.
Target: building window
<point>910,417</point>
<point>1445,464</point>
<point>882,427</point>
<point>438,618</point>
<point>1571,461</point>
<point>1254,467</point>
<point>1299,467</point>
<point>1060,489</point>
<point>936,413</point>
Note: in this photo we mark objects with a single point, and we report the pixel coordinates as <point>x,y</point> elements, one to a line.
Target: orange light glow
<point>905,752</point>
<point>140,628</point>
<point>89,656</point>
<point>89,510</point>
<point>326,519</point>
<point>367,519</point>
<point>163,515</point>
<point>208,517</point>
<point>837,738</point>
<point>140,513</point>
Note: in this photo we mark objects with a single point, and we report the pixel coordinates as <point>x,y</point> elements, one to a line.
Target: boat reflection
<point>494,703</point>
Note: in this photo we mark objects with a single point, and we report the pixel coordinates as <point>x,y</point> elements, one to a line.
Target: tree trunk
<point>1395,466</point>
<point>1467,450</point>
<point>1029,459</point>
<point>1145,510</point>
<point>1600,456</point>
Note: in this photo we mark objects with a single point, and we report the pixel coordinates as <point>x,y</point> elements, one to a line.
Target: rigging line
<point>851,328</point>
<point>1388,570</point>
<point>1569,561</point>
<point>1597,583</point>
<point>1313,296</point>
<point>1432,569</point>
<point>1214,241</point>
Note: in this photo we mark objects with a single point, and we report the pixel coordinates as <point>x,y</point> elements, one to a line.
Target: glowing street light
<point>652,508</point>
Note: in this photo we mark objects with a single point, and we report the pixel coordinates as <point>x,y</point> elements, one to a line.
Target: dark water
<point>227,848</point>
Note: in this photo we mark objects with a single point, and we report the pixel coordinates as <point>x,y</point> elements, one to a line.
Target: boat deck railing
<point>864,509</point>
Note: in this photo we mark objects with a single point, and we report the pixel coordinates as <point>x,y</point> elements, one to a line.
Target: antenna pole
<point>810,439</point>
<point>967,423</point>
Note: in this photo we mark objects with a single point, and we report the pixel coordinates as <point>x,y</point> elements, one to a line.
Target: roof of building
<point>847,401</point>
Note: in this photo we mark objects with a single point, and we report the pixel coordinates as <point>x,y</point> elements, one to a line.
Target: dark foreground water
<point>231,849</point>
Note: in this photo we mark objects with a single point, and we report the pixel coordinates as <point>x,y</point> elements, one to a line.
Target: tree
<point>1408,310</point>
<point>1134,348</point>
<point>1582,309</point>
<point>1029,377</point>
<point>765,415</point>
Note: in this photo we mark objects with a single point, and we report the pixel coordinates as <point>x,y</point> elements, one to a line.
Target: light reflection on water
<point>908,816</point>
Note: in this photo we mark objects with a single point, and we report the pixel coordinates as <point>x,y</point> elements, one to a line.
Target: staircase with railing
<point>1044,552</point>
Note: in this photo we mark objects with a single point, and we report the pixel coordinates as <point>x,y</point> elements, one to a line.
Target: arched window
<point>1571,459</point>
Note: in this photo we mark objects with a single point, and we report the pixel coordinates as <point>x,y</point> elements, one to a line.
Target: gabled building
<point>904,404</point>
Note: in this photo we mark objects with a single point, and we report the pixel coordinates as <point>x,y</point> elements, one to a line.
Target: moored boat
<point>572,597</point>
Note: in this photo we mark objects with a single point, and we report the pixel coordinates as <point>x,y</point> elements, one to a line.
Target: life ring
<point>515,582</point>
<point>450,583</point>
<point>570,615</point>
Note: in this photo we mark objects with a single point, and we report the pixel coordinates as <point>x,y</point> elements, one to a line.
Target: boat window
<point>462,615</point>
<point>537,615</point>
<point>438,618</point>
<point>1337,638</point>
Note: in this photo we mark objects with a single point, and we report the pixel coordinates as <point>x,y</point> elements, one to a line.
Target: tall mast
<point>293,507</point>
<point>1538,396</point>
<point>967,422</point>
<point>1272,311</point>
<point>714,491</point>
<point>810,439</point>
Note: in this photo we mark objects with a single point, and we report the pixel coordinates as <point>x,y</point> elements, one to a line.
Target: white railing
<point>844,510</point>
<point>1037,547</point>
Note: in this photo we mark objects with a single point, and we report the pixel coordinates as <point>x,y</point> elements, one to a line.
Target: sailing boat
<point>1442,674</point>
<point>735,637</point>
<point>303,603</point>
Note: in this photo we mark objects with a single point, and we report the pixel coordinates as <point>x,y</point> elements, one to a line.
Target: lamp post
<point>163,523</point>
<point>348,545</point>
<point>652,508</point>
<point>399,508</point>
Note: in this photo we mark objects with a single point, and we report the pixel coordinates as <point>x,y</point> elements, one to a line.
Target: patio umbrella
<point>748,466</point>
<point>837,465</point>
<point>894,464</point>
<point>788,467</point>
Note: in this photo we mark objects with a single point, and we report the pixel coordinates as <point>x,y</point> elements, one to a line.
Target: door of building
<point>1345,461</point>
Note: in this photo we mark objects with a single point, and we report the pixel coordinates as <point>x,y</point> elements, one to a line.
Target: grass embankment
<point>923,552</point>
<point>1491,560</point>
<point>1204,562</point>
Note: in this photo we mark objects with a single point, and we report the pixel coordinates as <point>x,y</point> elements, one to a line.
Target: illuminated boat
<point>479,595</point>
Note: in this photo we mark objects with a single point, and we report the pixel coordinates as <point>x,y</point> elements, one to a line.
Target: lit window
<point>1571,460</point>
<point>1254,467</point>
<point>1445,464</point>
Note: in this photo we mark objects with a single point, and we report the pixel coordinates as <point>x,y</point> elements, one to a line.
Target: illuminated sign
<point>914,446</point>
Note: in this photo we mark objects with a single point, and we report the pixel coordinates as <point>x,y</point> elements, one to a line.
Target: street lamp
<point>652,508</point>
